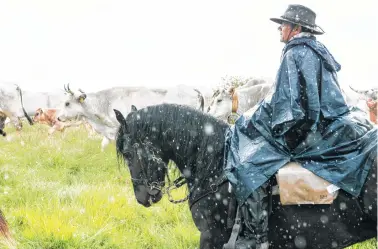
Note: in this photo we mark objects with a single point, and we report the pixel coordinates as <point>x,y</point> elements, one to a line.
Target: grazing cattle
<point>97,108</point>
<point>236,100</point>
<point>11,103</point>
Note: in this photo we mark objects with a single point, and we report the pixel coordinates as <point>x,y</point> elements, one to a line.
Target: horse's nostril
<point>156,198</point>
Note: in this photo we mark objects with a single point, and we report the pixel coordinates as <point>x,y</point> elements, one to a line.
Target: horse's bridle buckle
<point>214,187</point>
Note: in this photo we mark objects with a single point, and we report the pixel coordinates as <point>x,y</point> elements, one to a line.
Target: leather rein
<point>177,183</point>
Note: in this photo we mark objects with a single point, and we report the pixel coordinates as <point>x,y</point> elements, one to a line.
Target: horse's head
<point>143,159</point>
<point>223,103</point>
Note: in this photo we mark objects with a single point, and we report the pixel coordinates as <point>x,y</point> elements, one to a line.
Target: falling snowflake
<point>324,219</point>
<point>343,206</point>
<point>300,242</point>
<point>209,129</point>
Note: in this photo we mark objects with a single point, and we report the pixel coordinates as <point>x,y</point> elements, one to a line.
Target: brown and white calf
<point>48,116</point>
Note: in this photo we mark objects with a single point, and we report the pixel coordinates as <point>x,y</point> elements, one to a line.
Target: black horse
<point>148,138</point>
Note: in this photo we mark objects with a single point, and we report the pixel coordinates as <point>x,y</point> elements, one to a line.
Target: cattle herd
<point>69,108</point>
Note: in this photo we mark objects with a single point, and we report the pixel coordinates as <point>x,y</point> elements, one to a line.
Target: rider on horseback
<point>304,119</point>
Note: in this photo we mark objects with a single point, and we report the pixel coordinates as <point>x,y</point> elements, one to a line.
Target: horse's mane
<point>198,137</point>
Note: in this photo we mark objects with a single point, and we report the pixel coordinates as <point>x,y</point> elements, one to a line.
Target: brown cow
<point>48,116</point>
<point>372,105</point>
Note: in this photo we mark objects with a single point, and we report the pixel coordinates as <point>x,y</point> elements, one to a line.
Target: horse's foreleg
<point>211,216</point>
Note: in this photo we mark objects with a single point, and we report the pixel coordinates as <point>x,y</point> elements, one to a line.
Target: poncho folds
<point>303,119</point>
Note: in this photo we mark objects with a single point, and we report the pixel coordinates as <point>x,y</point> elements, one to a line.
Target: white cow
<point>97,108</point>
<point>228,101</point>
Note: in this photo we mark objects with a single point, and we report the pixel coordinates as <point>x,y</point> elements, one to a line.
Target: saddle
<point>298,185</point>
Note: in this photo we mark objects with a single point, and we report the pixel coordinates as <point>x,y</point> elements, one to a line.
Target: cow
<point>48,117</point>
<point>226,102</point>
<point>370,98</point>
<point>97,108</point>
<point>372,105</point>
<point>11,104</point>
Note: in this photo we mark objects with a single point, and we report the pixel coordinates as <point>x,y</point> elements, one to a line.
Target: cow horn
<point>81,91</point>
<point>358,91</point>
<point>68,90</point>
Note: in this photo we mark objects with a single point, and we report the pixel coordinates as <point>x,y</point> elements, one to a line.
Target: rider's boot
<point>254,215</point>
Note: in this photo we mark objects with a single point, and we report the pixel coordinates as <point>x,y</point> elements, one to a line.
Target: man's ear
<point>297,28</point>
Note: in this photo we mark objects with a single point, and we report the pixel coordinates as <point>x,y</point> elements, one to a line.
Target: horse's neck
<point>199,162</point>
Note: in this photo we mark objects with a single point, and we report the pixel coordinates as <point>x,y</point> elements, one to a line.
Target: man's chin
<point>284,41</point>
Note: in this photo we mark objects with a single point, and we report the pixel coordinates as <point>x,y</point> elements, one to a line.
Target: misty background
<point>95,44</point>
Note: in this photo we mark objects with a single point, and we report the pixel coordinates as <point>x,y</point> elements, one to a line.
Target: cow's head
<point>74,105</point>
<point>38,115</point>
<point>367,94</point>
<point>222,103</point>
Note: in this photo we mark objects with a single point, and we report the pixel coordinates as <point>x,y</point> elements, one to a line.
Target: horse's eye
<point>219,100</point>
<point>67,103</point>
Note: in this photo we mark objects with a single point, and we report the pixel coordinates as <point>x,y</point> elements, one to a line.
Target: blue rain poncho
<point>304,119</point>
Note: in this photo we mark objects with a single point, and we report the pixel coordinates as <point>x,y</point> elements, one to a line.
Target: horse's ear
<point>121,119</point>
<point>133,108</point>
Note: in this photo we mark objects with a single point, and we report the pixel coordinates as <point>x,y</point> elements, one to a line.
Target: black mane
<point>187,136</point>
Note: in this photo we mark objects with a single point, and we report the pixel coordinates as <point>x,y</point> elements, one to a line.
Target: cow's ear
<point>133,108</point>
<point>82,97</point>
<point>120,118</point>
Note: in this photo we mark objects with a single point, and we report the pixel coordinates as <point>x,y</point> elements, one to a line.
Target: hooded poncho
<point>304,119</point>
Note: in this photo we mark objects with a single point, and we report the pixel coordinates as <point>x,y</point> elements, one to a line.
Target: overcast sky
<point>99,44</point>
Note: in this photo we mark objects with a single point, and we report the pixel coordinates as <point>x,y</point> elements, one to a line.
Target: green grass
<point>61,192</point>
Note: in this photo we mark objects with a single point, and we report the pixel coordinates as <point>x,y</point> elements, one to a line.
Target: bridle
<point>177,183</point>
<point>156,185</point>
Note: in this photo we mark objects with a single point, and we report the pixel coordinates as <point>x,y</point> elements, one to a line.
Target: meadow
<point>61,192</point>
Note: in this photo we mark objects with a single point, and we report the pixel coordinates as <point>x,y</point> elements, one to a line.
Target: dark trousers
<point>254,220</point>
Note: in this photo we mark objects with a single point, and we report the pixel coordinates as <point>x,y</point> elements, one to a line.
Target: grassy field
<point>62,192</point>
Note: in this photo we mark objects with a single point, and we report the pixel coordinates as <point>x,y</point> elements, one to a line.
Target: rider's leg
<point>254,213</point>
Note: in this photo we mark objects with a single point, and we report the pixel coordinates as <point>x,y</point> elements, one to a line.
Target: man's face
<point>286,32</point>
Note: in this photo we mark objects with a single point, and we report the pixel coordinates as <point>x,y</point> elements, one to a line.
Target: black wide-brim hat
<point>301,15</point>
